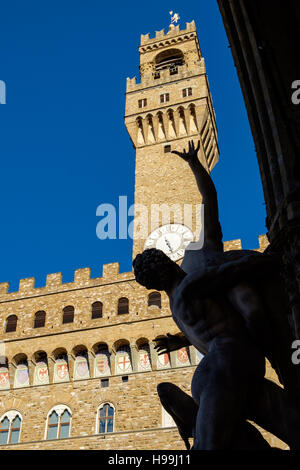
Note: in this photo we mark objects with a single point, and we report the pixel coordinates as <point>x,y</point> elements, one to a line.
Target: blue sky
<point>65,65</point>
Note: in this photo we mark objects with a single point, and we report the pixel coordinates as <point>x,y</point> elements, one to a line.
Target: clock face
<point>172,239</point>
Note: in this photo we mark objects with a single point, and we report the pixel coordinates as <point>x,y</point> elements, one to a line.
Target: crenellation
<point>26,285</point>
<point>110,271</point>
<point>233,245</point>
<point>159,34</point>
<point>53,280</point>
<point>263,242</point>
<point>82,276</point>
<point>145,38</point>
<point>173,31</point>
<point>4,287</point>
<point>165,78</point>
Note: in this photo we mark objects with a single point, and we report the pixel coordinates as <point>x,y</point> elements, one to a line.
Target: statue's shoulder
<point>188,286</point>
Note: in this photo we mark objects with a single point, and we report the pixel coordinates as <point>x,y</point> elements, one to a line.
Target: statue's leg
<point>181,407</point>
<point>184,411</point>
<point>221,386</point>
<point>247,437</point>
<point>274,410</point>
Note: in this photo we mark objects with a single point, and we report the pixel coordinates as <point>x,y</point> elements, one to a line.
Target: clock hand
<point>168,243</point>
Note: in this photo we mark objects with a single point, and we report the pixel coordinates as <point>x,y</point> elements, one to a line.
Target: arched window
<point>68,314</point>
<point>123,306</point>
<point>11,323</point>
<point>97,310</point>
<point>154,299</point>
<point>169,59</point>
<point>106,414</point>
<point>58,422</point>
<point>39,319</point>
<point>10,427</point>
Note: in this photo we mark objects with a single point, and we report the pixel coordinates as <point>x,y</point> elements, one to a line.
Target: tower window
<point>11,323</point>
<point>68,314</point>
<point>123,306</point>
<point>97,310</point>
<point>187,92</point>
<point>39,319</point>
<point>164,97</point>
<point>167,148</point>
<point>154,299</point>
<point>104,383</point>
<point>143,103</point>
<point>170,59</point>
<point>173,69</point>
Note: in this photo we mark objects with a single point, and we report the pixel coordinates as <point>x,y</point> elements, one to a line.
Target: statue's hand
<point>167,343</point>
<point>190,155</point>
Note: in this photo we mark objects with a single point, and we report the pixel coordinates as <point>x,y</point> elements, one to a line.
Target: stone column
<point>112,358</point>
<point>134,357</point>
<point>31,368</point>
<point>173,358</point>
<point>153,356</point>
<point>71,360</point>
<point>91,361</point>
<point>11,370</point>
<point>193,355</point>
<point>51,362</point>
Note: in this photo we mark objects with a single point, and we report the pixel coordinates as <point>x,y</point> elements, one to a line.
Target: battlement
<point>165,76</point>
<point>263,243</point>
<point>173,32</point>
<point>82,277</point>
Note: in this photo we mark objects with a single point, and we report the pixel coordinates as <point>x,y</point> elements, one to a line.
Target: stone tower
<point>170,106</point>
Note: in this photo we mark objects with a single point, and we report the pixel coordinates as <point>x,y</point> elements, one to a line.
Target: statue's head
<point>155,270</point>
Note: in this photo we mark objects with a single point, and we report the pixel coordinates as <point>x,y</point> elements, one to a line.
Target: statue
<point>230,306</point>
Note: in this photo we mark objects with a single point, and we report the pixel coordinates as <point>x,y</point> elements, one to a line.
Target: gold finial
<point>174,18</point>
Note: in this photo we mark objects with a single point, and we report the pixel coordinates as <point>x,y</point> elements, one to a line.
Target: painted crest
<point>22,376</point>
<point>4,378</point>
<point>164,359</point>
<point>102,364</point>
<point>62,371</point>
<point>182,355</point>
<point>123,361</point>
<point>144,360</point>
<point>42,373</point>
<point>82,368</point>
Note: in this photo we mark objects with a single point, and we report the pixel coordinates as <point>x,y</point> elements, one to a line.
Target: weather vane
<point>174,18</point>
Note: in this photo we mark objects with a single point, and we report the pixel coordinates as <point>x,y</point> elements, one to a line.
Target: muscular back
<point>204,319</point>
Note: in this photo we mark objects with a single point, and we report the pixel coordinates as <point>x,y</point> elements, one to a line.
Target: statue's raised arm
<point>212,228</point>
